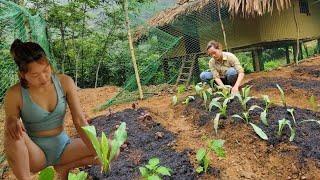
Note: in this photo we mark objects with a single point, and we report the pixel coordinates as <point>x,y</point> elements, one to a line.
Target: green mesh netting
<point>162,42</point>
<point>16,22</point>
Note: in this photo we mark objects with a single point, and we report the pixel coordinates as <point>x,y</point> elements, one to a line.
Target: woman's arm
<point>12,102</point>
<point>75,109</point>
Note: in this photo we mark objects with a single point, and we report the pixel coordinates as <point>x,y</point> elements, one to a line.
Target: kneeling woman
<point>35,109</point>
<point>225,67</point>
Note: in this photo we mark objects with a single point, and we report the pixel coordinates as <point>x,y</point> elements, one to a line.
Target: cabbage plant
<point>153,171</point>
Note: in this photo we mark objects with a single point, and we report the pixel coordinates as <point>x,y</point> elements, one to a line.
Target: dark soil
<point>307,134</point>
<point>313,71</point>
<point>287,84</point>
<point>146,139</point>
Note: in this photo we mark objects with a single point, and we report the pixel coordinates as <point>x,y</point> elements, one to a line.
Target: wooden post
<point>255,60</point>
<point>132,50</point>
<point>261,63</point>
<point>300,51</point>
<point>305,49</point>
<point>295,52</point>
<point>287,54</point>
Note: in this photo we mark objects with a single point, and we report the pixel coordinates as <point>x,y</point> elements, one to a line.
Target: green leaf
<point>291,111</point>
<point>216,123</point>
<point>263,117</point>
<point>200,154</point>
<point>217,147</point>
<point>198,89</point>
<point>205,98</point>
<point>181,88</point>
<point>259,131</point>
<point>154,177</point>
<point>163,171</point>
<point>82,175</point>
<point>92,135</point>
<point>105,150</point>
<point>254,107</point>
<point>199,169</point>
<point>214,102</point>
<point>72,176</point>
<point>283,98</point>
<point>237,116</point>
<point>153,162</point>
<point>206,163</point>
<point>292,134</point>
<point>46,174</point>
<point>143,171</point>
<point>311,120</point>
<point>119,138</point>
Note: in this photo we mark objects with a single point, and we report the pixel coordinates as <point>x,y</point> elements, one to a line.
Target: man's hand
<point>234,90</point>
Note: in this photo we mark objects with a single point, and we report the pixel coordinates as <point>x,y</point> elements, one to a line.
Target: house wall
<point>242,32</point>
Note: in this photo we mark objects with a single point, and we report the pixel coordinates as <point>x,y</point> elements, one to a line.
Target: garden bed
<point>146,139</point>
<point>274,158</point>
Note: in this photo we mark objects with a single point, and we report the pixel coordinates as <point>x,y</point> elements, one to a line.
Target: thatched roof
<point>245,8</point>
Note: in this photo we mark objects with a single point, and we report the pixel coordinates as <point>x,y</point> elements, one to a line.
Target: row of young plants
<point>220,98</point>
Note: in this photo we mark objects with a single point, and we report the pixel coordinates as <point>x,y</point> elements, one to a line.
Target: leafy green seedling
<point>245,115</point>
<point>267,102</point>
<point>313,103</point>
<point>188,99</point>
<point>153,171</point>
<point>291,111</point>
<point>259,131</point>
<point>244,97</point>
<point>204,92</point>
<point>102,148</point>
<point>46,174</point>
<point>283,97</point>
<point>174,100</point>
<point>225,91</point>
<point>181,89</point>
<point>221,106</point>
<point>217,147</point>
<point>282,124</point>
<point>203,160</point>
<point>79,176</point>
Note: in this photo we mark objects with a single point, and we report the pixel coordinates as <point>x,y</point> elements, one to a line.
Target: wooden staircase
<point>186,69</point>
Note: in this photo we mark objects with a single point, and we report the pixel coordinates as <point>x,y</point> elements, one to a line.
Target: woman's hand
<point>15,129</point>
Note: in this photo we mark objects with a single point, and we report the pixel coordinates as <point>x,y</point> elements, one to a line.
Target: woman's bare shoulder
<point>66,81</point>
<point>13,94</point>
<point>14,90</point>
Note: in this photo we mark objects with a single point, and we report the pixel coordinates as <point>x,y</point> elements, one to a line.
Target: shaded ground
<point>248,157</point>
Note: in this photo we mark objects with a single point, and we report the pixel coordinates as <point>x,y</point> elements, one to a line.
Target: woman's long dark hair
<point>25,53</point>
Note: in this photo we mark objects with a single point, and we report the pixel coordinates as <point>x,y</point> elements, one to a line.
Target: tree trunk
<point>97,73</point>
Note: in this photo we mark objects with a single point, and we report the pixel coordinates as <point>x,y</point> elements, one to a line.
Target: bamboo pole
<point>222,26</point>
<point>133,57</point>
